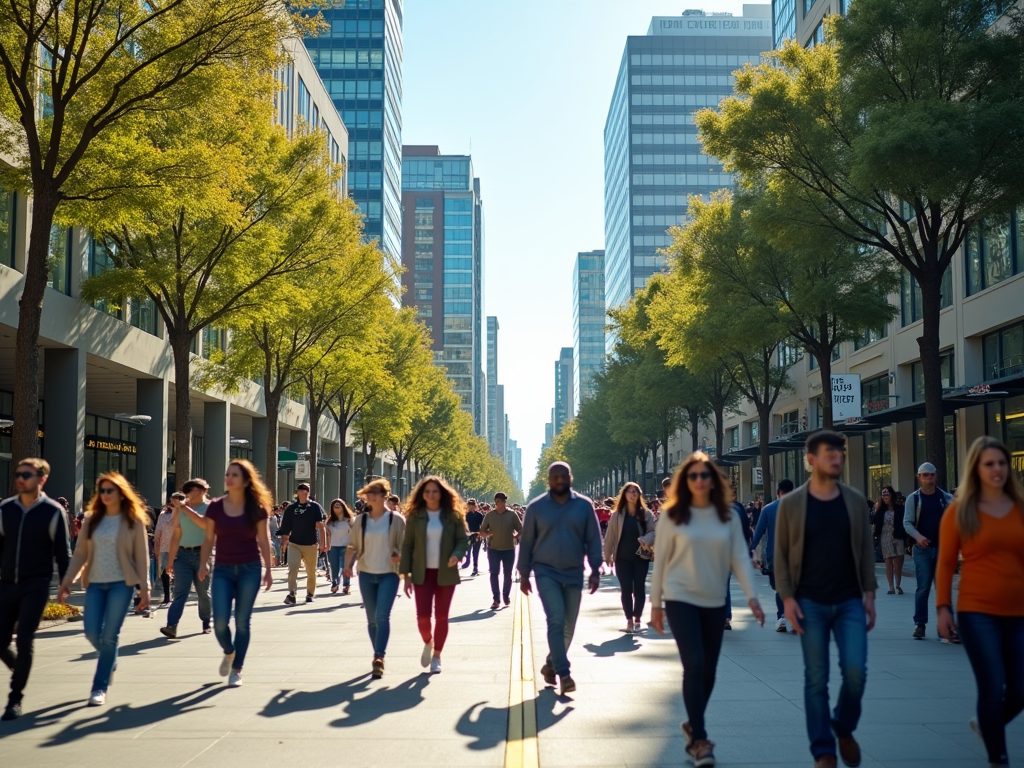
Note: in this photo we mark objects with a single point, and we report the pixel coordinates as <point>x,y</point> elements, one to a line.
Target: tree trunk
<point>272,401</point>
<point>342,423</point>
<point>719,430</point>
<point>694,415</point>
<point>25,432</point>
<point>664,456</point>
<point>931,364</point>
<point>824,358</point>
<point>314,446</point>
<point>181,349</point>
<point>764,415</point>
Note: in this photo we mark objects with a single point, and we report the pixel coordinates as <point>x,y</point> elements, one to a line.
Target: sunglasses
<point>107,491</point>
<point>26,475</point>
<point>927,474</point>
<point>705,475</point>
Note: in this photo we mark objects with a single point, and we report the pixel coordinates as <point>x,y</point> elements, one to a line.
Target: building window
<point>910,297</point>
<point>790,422</point>
<point>60,259</point>
<point>214,342</point>
<point>100,260</point>
<point>142,314</point>
<point>874,395</point>
<point>877,461</point>
<point>917,376</point>
<point>921,452</point>
<point>732,439</point>
<point>8,220</point>
<point>789,353</point>
<point>993,252</point>
<point>752,434</point>
<point>870,337</point>
<point>1003,352</point>
<point>1004,419</point>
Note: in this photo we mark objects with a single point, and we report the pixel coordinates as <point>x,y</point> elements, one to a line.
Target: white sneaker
<point>638,628</point>
<point>225,663</point>
<point>435,666</point>
<point>235,680</point>
<point>428,651</point>
<point>98,698</point>
<point>780,625</point>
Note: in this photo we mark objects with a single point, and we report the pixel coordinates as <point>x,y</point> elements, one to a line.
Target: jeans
<point>106,606</point>
<point>336,557</point>
<point>235,585</point>
<point>728,599</point>
<point>561,607</point>
<point>22,603</point>
<point>473,551</point>
<point>847,622</point>
<point>379,591</point>
<point>780,611</point>
<point>995,648</point>
<point>297,555</point>
<point>186,575</point>
<point>924,567</point>
<point>632,575</point>
<point>432,597</point>
<point>497,559</point>
<point>698,633</point>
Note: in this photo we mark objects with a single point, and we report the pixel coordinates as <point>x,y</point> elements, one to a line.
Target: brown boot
<point>849,750</point>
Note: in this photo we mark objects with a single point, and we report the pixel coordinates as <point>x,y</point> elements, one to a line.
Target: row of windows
<point>666,119</point>
<point>347,58</point>
<point>682,179</point>
<point>8,216</point>
<point>357,27</point>
<point>365,150</point>
<point>659,241</point>
<point>669,201</point>
<point>458,264</point>
<point>689,59</point>
<point>358,119</point>
<point>995,252</point>
<point>458,249</point>
<point>364,179</point>
<point>458,205</point>
<point>657,221</point>
<point>665,138</point>
<point>676,99</point>
<point>683,79</point>
<point>917,377</point>
<point>911,309</point>
<point>457,219</point>
<point>356,89</point>
<point>696,157</point>
<point>458,308</point>
<point>458,278</point>
<point>1003,352</point>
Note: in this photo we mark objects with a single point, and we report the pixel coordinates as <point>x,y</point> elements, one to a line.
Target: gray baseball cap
<point>926,467</point>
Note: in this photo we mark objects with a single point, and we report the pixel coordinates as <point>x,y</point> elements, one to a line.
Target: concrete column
<point>151,463</point>
<point>331,475</point>
<point>299,440</point>
<point>260,431</point>
<point>217,446</point>
<point>64,424</point>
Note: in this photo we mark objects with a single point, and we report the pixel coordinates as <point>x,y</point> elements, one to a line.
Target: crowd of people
<point>817,544</point>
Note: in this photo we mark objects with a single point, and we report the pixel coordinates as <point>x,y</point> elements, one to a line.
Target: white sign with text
<point>845,396</point>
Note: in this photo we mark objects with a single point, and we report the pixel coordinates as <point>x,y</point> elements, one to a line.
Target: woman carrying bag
<point>627,547</point>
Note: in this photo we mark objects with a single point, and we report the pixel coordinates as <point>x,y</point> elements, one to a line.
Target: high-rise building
<point>500,423</point>
<point>588,322</point>
<point>564,399</point>
<point>443,258</point>
<point>360,62</point>
<point>804,21</point>
<point>514,464</point>
<point>493,414</point>
<point>653,161</point>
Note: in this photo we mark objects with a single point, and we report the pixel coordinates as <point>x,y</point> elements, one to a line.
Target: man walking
<point>825,573</point>
<point>184,553</point>
<point>766,528</point>
<point>474,518</point>
<point>500,527</point>
<point>303,534</point>
<point>559,529</point>
<point>921,517</point>
<point>33,535</point>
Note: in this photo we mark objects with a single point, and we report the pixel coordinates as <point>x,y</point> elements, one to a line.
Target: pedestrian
<point>33,537</point>
<point>922,519</point>
<point>113,562</point>
<point>474,517</point>
<point>274,526</point>
<point>766,529</point>
<point>435,541</point>
<point>748,534</point>
<point>700,543</point>
<point>500,528</point>
<point>304,535</point>
<point>394,503</point>
<point>377,538</point>
<point>559,530</point>
<point>985,525</point>
<point>237,524</point>
<point>628,548</point>
<point>183,555</point>
<point>162,546</point>
<point>74,529</point>
<point>887,523</point>
<point>825,572</point>
<point>339,534</point>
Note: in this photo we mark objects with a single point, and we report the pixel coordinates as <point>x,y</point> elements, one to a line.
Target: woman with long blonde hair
<point>113,560</point>
<point>985,524</point>
<point>627,548</point>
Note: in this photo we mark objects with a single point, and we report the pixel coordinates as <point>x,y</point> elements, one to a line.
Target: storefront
<point>877,461</point>
<point>1004,419</point>
<point>110,446</point>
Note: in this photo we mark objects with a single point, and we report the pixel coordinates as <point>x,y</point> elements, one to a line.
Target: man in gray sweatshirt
<point>560,529</point>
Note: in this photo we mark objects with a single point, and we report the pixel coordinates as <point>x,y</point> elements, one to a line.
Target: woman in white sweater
<point>700,540</point>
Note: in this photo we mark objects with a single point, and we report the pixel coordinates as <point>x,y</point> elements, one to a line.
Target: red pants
<point>429,592</point>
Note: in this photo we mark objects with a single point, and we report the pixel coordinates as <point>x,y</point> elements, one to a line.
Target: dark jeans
<point>561,607</point>
<point>779,610</point>
<point>995,648</point>
<point>235,586</point>
<point>186,575</point>
<point>379,591</point>
<point>336,558</point>
<point>847,622</point>
<point>106,606</point>
<point>924,567</point>
<point>698,633</point>
<point>632,575</point>
<point>473,551</point>
<point>501,558</point>
<point>21,603</point>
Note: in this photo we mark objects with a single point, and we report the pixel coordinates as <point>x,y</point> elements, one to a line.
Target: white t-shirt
<point>376,545</point>
<point>341,531</point>
<point>434,530</point>
<point>106,568</point>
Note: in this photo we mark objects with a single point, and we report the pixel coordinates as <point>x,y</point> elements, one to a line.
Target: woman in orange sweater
<point>986,524</point>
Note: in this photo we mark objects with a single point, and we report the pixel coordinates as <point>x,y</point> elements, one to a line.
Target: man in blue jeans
<point>765,528</point>
<point>500,527</point>
<point>825,574</point>
<point>559,529</point>
<point>183,559</point>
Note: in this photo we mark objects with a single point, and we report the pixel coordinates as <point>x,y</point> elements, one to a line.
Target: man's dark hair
<point>302,487</point>
<point>471,501</point>
<point>785,485</point>
<point>195,482</point>
<point>825,437</point>
<point>394,499</point>
<point>500,495</point>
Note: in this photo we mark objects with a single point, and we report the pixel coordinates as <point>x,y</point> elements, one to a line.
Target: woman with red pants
<point>435,542</point>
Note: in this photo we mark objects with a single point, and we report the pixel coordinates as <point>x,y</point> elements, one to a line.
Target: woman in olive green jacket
<point>435,542</point>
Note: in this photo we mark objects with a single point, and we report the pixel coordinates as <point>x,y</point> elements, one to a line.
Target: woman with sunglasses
<point>700,541</point>
<point>887,524</point>
<point>627,548</point>
<point>339,533</point>
<point>113,560</point>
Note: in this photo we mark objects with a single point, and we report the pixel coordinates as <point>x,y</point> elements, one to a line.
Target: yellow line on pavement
<point>521,750</point>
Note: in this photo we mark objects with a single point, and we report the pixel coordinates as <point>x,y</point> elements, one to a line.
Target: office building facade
<point>493,414</point>
<point>360,61</point>
<point>443,257</point>
<point>564,397</point>
<point>588,323</point>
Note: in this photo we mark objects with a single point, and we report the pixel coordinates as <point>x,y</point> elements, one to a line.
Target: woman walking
<point>237,524</point>
<point>887,522</point>
<point>162,546</point>
<point>985,524</point>
<point>113,560</point>
<point>376,544</point>
<point>435,541</point>
<point>700,542</point>
<point>339,533</point>
<point>627,547</point>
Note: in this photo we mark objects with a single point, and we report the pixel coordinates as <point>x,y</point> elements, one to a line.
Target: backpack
<point>391,521</point>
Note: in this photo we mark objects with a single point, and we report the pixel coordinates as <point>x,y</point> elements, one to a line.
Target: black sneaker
<point>507,602</point>
<point>309,598</point>
<point>13,712</point>
<point>207,629</point>
<point>169,632</point>
<point>919,632</point>
<point>289,599</point>
<point>475,573</point>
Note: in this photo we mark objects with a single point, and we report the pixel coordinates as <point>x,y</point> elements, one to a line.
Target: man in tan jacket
<point>825,574</point>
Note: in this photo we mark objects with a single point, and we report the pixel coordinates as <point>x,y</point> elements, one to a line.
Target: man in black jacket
<point>33,534</point>
<point>474,517</point>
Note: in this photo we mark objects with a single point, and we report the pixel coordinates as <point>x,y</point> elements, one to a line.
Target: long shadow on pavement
<point>289,702</point>
<point>384,701</point>
<point>488,726</point>
<point>474,616</point>
<point>44,716</point>
<point>624,644</point>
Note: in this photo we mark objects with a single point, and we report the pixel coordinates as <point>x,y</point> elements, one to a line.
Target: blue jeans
<point>924,567</point>
<point>186,575</point>
<point>336,557</point>
<point>237,585</point>
<point>847,622</point>
<point>995,648</point>
<point>106,605</point>
<point>473,552</point>
<point>561,603</point>
<point>496,559</point>
<point>379,591</point>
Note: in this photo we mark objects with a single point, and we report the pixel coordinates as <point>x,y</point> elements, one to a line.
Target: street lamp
<point>139,419</point>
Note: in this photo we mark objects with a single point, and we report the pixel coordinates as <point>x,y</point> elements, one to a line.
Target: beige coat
<point>132,555</point>
<point>611,536</point>
<point>396,537</point>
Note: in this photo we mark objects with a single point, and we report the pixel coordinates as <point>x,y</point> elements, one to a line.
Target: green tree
<point>433,425</point>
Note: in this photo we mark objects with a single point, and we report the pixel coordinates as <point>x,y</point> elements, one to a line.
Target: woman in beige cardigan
<point>630,532</point>
<point>113,558</point>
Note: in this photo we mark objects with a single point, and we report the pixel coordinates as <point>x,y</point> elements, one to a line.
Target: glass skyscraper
<point>588,322</point>
<point>564,400</point>
<point>493,414</point>
<point>653,161</point>
<point>360,61</point>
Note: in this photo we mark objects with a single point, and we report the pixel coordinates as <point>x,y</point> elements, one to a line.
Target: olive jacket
<point>454,543</point>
